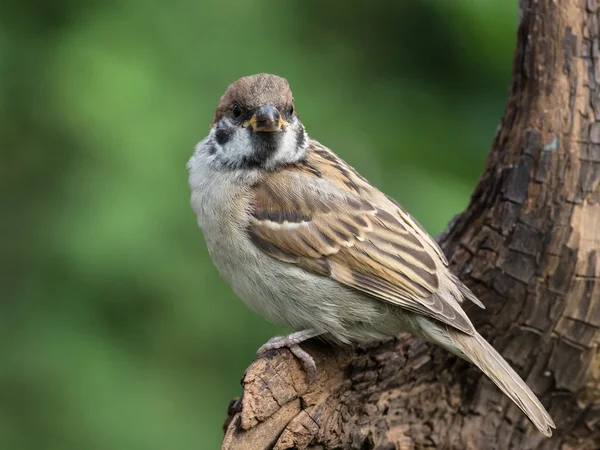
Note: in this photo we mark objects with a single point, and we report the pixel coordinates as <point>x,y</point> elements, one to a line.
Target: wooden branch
<point>528,246</point>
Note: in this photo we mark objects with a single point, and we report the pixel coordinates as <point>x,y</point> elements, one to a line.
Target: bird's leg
<point>288,340</point>
<point>291,341</point>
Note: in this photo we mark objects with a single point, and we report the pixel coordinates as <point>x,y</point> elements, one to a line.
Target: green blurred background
<point>116,331</point>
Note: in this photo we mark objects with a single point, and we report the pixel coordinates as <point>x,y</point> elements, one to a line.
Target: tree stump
<point>528,246</point>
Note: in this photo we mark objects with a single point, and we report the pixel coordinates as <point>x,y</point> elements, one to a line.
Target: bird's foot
<point>291,341</point>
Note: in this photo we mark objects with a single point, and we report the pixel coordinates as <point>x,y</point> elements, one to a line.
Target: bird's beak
<point>266,119</point>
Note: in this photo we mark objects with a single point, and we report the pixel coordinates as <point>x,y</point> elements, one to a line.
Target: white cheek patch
<point>288,151</point>
<point>236,148</point>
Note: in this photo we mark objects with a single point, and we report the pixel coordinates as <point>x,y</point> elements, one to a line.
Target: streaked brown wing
<point>321,159</point>
<point>346,176</point>
<point>337,233</point>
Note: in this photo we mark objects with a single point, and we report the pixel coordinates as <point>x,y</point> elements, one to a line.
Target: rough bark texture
<point>528,245</point>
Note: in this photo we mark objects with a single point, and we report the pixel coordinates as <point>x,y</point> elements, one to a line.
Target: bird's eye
<point>236,110</point>
<point>291,110</point>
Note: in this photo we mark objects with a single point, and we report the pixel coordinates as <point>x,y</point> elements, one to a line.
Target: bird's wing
<point>321,215</point>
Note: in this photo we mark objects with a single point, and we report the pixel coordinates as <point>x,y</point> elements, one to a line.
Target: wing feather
<point>337,232</point>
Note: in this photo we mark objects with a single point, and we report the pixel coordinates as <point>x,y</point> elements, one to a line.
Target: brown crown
<point>253,91</point>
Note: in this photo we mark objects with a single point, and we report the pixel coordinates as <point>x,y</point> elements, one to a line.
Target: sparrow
<point>308,243</point>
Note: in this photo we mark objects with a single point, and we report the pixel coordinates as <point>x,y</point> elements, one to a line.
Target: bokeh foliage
<point>115,330</point>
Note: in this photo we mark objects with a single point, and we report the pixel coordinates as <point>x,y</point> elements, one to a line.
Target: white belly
<point>291,297</point>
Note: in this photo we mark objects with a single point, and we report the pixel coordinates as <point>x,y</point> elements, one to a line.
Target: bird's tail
<point>483,355</point>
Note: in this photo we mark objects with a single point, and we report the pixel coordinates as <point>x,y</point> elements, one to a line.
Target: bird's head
<point>256,126</point>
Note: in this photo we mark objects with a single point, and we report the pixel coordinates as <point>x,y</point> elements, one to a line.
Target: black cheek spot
<point>300,138</point>
<point>212,150</point>
<point>223,136</point>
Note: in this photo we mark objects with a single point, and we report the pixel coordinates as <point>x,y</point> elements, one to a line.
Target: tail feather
<point>483,355</point>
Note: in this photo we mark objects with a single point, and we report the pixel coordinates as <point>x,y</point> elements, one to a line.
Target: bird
<point>308,243</point>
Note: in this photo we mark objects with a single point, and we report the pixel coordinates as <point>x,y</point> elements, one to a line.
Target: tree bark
<point>528,246</point>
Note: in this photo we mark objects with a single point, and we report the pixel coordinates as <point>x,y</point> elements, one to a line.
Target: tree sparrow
<point>309,244</point>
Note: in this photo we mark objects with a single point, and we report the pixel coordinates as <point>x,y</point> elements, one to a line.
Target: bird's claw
<point>307,361</point>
